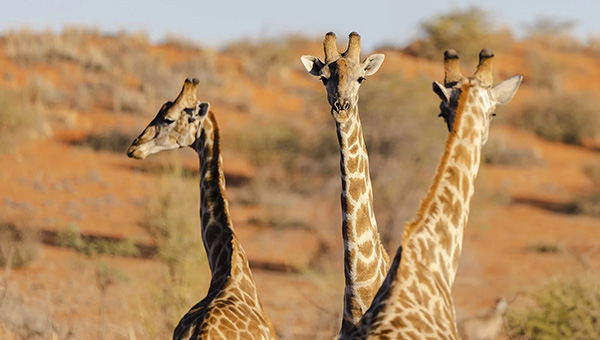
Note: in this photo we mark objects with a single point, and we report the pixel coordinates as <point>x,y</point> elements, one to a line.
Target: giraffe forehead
<point>344,68</point>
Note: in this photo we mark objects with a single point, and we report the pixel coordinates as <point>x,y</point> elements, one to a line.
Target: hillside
<point>71,104</point>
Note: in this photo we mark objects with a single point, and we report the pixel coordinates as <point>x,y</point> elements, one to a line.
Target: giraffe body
<point>415,300</point>
<point>365,259</point>
<point>231,308</point>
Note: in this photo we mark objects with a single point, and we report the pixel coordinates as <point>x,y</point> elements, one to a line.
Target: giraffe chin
<point>341,116</point>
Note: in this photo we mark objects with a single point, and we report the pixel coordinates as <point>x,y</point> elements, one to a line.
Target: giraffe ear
<point>441,91</point>
<point>372,63</point>
<point>312,64</point>
<point>505,91</point>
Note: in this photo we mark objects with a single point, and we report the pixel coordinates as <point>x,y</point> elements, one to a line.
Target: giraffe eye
<point>361,79</point>
<point>168,121</point>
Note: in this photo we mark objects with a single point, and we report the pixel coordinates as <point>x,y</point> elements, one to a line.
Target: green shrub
<point>466,31</point>
<point>18,246</point>
<point>71,237</point>
<point>565,117</point>
<point>566,310</point>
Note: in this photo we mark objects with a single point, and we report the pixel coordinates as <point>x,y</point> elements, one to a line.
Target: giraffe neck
<point>444,212</point>
<point>419,286</point>
<point>365,259</point>
<point>216,226</point>
<point>231,280</point>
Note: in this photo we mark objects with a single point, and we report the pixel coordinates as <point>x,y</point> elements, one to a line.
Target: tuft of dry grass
<point>18,246</point>
<point>19,118</point>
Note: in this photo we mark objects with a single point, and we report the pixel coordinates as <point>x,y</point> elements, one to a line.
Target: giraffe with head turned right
<point>365,259</point>
<point>415,300</point>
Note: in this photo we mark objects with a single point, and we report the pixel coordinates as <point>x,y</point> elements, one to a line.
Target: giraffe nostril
<point>337,105</point>
<point>346,105</point>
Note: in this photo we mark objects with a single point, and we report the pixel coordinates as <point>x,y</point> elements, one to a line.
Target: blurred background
<point>98,246</point>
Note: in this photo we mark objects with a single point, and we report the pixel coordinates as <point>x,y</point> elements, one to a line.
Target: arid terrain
<point>102,265</point>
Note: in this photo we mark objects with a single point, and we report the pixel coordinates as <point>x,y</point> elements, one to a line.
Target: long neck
<point>226,257</point>
<point>232,281</point>
<point>443,214</point>
<point>365,260</point>
<point>420,284</point>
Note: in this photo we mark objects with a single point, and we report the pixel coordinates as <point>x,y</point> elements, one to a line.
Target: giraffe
<point>365,259</point>
<point>415,300</point>
<point>231,308</point>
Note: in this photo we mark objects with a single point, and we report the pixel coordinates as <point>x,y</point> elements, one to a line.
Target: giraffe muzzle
<point>341,110</point>
<point>135,152</point>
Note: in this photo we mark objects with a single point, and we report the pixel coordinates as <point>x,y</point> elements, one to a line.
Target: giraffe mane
<point>411,226</point>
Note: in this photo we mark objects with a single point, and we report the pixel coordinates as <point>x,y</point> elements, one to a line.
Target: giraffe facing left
<point>232,308</point>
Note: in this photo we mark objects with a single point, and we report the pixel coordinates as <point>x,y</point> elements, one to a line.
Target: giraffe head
<point>486,97</point>
<point>175,126</point>
<point>342,74</point>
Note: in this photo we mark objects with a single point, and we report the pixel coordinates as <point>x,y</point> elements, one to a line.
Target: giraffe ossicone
<point>415,300</point>
<point>231,308</point>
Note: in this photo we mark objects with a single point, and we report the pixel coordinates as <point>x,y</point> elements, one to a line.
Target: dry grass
<point>18,246</point>
<point>173,224</point>
<point>19,118</point>
<point>266,61</point>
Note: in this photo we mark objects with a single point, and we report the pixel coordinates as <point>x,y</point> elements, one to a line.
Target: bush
<point>114,140</point>
<point>562,310</point>
<point>554,33</point>
<point>71,237</point>
<point>466,31</point>
<point>498,151</point>
<point>18,246</point>
<point>545,71</point>
<point>566,117</point>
